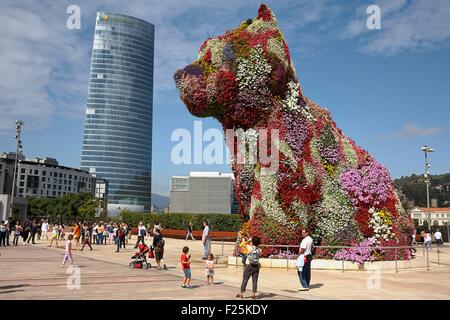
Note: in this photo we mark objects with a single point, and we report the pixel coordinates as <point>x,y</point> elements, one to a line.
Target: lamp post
<point>19,124</point>
<point>427,149</point>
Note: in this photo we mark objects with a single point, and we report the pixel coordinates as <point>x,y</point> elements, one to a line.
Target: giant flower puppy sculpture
<point>324,181</point>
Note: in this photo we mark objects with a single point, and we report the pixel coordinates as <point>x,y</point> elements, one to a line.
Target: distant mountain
<point>414,188</point>
<point>159,202</point>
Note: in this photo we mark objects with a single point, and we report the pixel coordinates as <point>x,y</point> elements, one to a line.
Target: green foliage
<point>414,188</point>
<point>77,206</point>
<point>179,221</point>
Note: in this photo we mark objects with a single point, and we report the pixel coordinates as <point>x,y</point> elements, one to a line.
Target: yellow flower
<point>386,217</point>
<point>329,168</point>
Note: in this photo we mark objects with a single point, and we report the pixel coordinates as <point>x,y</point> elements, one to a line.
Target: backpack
<point>161,243</point>
<point>120,233</point>
<point>253,257</point>
<point>142,232</point>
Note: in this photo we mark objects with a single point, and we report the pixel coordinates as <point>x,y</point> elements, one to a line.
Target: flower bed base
<point>325,264</point>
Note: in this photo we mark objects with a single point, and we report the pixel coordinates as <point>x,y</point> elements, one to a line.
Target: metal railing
<point>397,250</point>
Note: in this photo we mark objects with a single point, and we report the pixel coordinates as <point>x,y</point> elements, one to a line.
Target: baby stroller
<point>139,259</point>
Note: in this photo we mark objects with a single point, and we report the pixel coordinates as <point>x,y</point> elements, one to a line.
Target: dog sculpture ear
<point>265,13</point>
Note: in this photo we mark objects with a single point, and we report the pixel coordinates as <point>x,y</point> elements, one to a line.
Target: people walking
<point>186,266</point>
<point>105,234</point>
<point>126,231</point>
<point>17,233</point>
<point>99,233</point>
<point>244,251</point>
<point>8,230</point>
<point>252,268</point>
<point>157,227</point>
<point>33,232</point>
<point>26,231</point>
<point>55,234</point>
<point>44,230</point>
<point>95,234</point>
<point>110,229</point>
<point>62,232</point>
<point>2,233</point>
<point>76,234</point>
<point>206,240</point>
<point>427,240</point>
<point>190,232</point>
<point>306,249</point>
<point>141,234</point>
<point>120,238</point>
<point>438,239</point>
<point>210,269</point>
<point>68,252</point>
<point>158,245</point>
<point>86,238</point>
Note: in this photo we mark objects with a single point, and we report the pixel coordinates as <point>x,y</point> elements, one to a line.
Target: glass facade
<point>117,140</point>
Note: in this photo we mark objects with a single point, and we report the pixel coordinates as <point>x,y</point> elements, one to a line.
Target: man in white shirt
<point>306,247</point>
<point>206,240</point>
<point>438,238</point>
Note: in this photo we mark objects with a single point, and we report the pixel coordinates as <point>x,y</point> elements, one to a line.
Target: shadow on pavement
<point>10,291</point>
<point>316,286</point>
<point>13,286</point>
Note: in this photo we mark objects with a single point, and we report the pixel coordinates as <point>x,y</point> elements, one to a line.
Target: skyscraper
<point>117,141</point>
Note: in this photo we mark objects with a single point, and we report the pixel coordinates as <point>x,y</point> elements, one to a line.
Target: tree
<point>88,209</point>
<point>70,207</point>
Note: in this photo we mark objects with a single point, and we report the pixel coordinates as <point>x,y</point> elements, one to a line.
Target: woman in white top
<point>427,240</point>
<point>44,230</point>
<point>141,234</point>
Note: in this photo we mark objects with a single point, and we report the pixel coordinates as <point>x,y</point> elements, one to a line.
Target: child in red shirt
<point>186,265</point>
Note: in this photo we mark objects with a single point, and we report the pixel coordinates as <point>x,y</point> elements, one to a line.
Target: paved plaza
<point>34,272</point>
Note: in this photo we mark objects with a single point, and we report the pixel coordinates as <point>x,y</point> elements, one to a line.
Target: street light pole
<point>427,149</point>
<point>19,125</point>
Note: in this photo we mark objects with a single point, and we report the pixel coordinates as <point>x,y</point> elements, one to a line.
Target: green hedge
<point>179,221</point>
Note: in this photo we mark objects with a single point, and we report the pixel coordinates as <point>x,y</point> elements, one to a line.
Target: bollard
<point>222,247</point>
<point>439,260</point>
<point>287,260</point>
<point>395,252</point>
<point>342,265</point>
<point>428,262</point>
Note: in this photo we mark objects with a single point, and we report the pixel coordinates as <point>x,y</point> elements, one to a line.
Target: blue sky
<point>387,89</point>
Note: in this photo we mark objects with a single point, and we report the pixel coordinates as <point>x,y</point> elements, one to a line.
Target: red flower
<point>264,13</point>
<point>207,57</point>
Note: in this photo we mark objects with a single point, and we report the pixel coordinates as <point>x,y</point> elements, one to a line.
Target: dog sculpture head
<point>240,77</point>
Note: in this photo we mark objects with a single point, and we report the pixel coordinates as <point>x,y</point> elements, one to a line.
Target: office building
<point>39,177</point>
<point>203,192</point>
<point>117,141</point>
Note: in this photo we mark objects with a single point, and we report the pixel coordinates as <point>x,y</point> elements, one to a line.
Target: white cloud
<point>410,130</point>
<point>44,66</point>
<point>413,25</point>
<point>39,65</point>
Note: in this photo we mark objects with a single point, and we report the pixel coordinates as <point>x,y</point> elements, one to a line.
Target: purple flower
<point>371,185</point>
<point>360,253</point>
<point>297,131</point>
<point>331,154</point>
